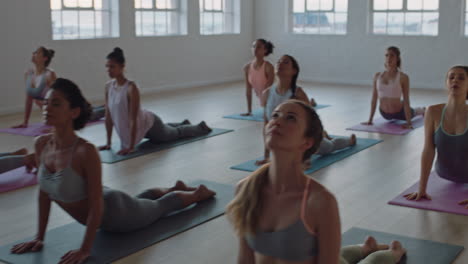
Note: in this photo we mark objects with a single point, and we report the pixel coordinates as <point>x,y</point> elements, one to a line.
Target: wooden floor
<point>362,183</point>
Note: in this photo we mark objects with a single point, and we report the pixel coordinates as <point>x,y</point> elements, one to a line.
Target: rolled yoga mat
<point>15,179</point>
<point>257,114</point>
<point>392,127</point>
<point>419,251</point>
<point>108,247</point>
<point>146,147</point>
<point>37,129</point>
<point>318,162</point>
<point>445,196</point>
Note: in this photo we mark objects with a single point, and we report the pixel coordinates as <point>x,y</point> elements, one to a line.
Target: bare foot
<point>312,102</point>
<point>261,162</point>
<point>370,246</point>
<point>181,186</point>
<point>246,114</point>
<point>186,122</point>
<point>205,127</point>
<point>20,126</point>
<point>203,193</point>
<point>397,250</point>
<point>22,151</point>
<point>353,139</point>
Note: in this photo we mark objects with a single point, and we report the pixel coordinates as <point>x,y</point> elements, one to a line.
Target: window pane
<point>313,5</point>
<point>466,25</point>
<point>341,5</point>
<point>207,23</point>
<point>85,3</point>
<point>431,4</point>
<point>430,23</point>
<point>395,23</point>
<point>380,23</point>
<point>327,23</point>
<point>381,4</point>
<point>466,6</point>
<point>218,20</point>
<point>340,23</point>
<point>208,4</point>
<point>166,4</point>
<point>312,23</point>
<point>70,24</point>
<point>326,5</point>
<point>161,23</point>
<point>70,3</point>
<point>147,23</point>
<point>299,6</point>
<point>146,4</point>
<point>55,4</point>
<point>138,17</point>
<point>137,3</point>
<point>395,4</point>
<point>413,24</point>
<point>415,4</point>
<point>57,25</point>
<point>217,5</point>
<point>98,4</point>
<point>299,21</point>
<point>86,24</point>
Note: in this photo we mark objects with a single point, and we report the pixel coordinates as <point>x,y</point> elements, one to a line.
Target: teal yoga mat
<point>318,162</point>
<point>418,251</point>
<point>146,147</point>
<point>257,114</point>
<point>108,247</point>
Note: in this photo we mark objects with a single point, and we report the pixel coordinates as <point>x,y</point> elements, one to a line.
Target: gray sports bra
<point>65,185</point>
<point>293,243</point>
<point>452,153</point>
<point>40,91</point>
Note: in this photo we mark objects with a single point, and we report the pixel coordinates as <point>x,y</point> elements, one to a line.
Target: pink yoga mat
<point>392,127</point>
<point>36,129</point>
<point>445,196</point>
<point>15,179</point>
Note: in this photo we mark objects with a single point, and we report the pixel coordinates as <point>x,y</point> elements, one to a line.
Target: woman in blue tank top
<point>446,132</point>
<point>69,172</point>
<point>281,216</point>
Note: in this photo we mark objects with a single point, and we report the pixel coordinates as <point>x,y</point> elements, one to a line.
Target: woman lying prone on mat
<point>446,131</point>
<point>70,175</point>
<point>123,111</point>
<point>283,216</point>
<point>12,160</point>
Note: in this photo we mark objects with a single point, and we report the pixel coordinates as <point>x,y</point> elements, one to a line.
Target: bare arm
<point>301,95</point>
<point>108,122</point>
<point>134,106</point>
<point>248,88</point>
<point>270,73</point>
<point>406,101</point>
<point>51,78</point>
<point>374,99</point>
<point>246,255</point>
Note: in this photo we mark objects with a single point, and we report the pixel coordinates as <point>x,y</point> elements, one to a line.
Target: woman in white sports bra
<point>37,81</point>
<point>389,87</point>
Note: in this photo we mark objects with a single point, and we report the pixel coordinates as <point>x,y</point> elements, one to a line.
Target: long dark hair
<point>268,46</point>
<point>397,52</point>
<point>295,65</point>
<point>48,53</point>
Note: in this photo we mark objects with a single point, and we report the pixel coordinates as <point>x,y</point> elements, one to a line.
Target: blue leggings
<point>398,115</point>
<point>125,213</point>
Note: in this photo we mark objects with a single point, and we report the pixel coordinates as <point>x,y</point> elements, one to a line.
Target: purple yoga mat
<point>36,129</point>
<point>445,196</point>
<point>392,127</point>
<point>15,179</point>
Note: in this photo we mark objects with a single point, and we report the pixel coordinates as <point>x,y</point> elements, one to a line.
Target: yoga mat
<point>418,251</point>
<point>108,247</point>
<point>445,196</point>
<point>392,127</point>
<point>145,147</point>
<point>318,161</point>
<point>257,114</point>
<point>15,179</point>
<point>36,129</point>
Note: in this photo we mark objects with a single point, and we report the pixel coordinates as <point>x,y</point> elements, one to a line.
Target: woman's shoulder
<point>434,110</point>
<point>320,198</point>
<point>41,141</point>
<point>85,149</point>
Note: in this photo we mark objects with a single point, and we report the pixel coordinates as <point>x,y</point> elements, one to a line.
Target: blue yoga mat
<point>418,251</point>
<point>108,247</point>
<point>318,162</point>
<point>110,156</point>
<point>257,114</point>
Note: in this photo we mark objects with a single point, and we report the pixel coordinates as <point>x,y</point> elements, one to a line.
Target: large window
<point>320,16</point>
<point>160,17</point>
<point>219,17</point>
<point>84,19</point>
<point>466,18</point>
<point>405,17</point>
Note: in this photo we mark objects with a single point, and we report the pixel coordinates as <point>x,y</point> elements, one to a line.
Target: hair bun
<point>51,53</point>
<point>118,50</point>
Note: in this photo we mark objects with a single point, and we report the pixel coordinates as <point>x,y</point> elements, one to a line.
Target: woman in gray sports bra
<point>281,216</point>
<point>70,175</point>
<point>446,132</point>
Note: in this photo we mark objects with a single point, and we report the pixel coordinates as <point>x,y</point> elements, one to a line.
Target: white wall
<point>354,58</point>
<point>154,62</point>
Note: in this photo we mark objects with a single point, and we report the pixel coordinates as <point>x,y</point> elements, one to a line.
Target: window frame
<point>178,11</point>
<point>403,10</point>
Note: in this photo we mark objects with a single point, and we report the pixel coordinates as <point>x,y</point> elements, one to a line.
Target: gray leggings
<point>161,132</point>
<point>398,115</point>
<point>98,113</point>
<point>328,146</point>
<point>353,255</point>
<point>125,213</point>
<point>9,162</point>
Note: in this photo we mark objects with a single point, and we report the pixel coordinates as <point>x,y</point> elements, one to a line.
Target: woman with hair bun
<point>259,73</point>
<point>132,123</point>
<point>389,87</point>
<point>38,81</point>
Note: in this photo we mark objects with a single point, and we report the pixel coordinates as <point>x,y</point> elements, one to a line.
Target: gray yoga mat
<point>108,247</point>
<point>145,147</point>
<point>418,251</point>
